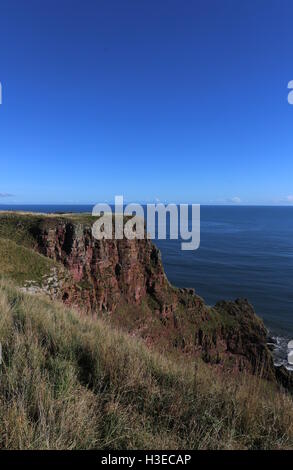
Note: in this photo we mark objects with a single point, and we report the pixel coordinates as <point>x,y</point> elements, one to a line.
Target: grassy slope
<point>71,382</point>
<point>17,259</point>
<point>22,264</point>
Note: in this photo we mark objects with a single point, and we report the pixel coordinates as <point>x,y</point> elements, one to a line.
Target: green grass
<point>68,382</point>
<point>22,264</point>
<point>18,229</point>
<point>22,227</point>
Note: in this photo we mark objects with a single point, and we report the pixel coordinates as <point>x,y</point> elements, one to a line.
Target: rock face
<point>104,272</point>
<point>250,336</point>
<point>126,280</point>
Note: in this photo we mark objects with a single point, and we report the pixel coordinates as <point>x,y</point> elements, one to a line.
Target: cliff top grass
<point>18,231</point>
<point>74,383</point>
<point>20,226</point>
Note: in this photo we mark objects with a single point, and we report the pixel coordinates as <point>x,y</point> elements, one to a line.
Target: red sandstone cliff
<point>126,279</point>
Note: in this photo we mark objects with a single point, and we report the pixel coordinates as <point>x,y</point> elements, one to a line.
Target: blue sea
<point>245,251</point>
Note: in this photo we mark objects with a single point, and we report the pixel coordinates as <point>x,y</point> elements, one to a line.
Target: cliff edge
<point>125,281</point>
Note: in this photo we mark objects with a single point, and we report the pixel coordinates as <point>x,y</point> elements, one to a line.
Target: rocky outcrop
<point>104,272</point>
<point>248,337</point>
<point>126,279</point>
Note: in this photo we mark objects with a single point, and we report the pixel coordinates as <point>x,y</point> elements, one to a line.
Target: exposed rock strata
<point>126,279</point>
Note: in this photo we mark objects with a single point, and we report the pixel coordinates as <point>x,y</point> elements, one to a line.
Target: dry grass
<point>74,383</point>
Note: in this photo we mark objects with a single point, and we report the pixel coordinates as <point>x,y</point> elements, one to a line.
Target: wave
<point>279,346</point>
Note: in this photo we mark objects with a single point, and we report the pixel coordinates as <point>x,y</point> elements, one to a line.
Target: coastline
<point>208,270</point>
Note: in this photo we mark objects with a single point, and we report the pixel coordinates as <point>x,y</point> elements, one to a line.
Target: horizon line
<point>145,203</point>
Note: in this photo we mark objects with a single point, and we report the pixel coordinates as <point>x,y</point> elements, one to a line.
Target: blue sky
<point>181,101</point>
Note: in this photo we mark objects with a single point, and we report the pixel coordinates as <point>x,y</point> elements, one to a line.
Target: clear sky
<point>181,101</point>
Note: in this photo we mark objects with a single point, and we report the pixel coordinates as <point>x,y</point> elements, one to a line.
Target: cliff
<point>125,281</point>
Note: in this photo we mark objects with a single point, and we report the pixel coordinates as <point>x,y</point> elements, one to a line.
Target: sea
<point>245,251</point>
